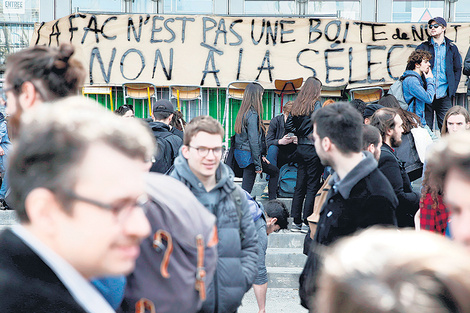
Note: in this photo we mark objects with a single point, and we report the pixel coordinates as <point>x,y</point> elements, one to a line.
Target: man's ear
<point>185,151</point>
<point>29,96</point>
<point>41,206</point>
<point>326,143</point>
<point>389,132</point>
<point>273,221</point>
<point>371,148</point>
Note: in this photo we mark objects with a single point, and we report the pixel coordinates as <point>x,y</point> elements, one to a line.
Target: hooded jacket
<point>171,145</point>
<point>237,247</point>
<point>453,63</point>
<point>415,94</point>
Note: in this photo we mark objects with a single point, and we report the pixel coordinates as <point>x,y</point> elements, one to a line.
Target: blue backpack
<point>287,180</point>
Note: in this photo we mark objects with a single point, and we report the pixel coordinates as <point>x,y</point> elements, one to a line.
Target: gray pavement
<point>277,300</point>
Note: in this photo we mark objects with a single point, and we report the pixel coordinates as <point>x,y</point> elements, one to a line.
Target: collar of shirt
<point>80,289</point>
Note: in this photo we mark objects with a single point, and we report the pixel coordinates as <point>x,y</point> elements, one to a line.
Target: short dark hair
<point>416,57</point>
<point>277,209</point>
<point>342,124</point>
<point>202,123</point>
<point>384,119</point>
<point>123,109</point>
<point>58,135</point>
<point>359,105</point>
<point>370,136</point>
<point>160,116</point>
<point>53,71</point>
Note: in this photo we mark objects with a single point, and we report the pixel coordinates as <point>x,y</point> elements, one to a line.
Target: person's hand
<point>428,74</point>
<point>258,172</point>
<point>285,140</point>
<point>295,140</point>
<point>265,160</point>
<point>2,152</point>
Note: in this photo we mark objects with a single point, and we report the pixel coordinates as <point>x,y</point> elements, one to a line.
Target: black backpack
<point>164,157</point>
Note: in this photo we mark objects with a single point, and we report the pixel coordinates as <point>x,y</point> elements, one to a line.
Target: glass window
<point>97,6</point>
<point>346,9</point>
<point>31,13</point>
<point>191,6</point>
<point>462,11</point>
<point>416,11</point>
<point>283,7</point>
<point>144,6</point>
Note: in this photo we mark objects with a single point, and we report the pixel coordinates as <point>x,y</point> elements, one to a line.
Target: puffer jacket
<point>237,248</point>
<point>251,138</point>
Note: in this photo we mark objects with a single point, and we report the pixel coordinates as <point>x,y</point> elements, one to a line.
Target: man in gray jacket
<point>198,166</point>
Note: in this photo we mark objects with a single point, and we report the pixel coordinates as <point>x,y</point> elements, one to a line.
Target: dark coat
<point>276,130</point>
<point>466,70</point>
<point>301,126</point>
<point>453,63</point>
<point>362,199</point>
<point>170,150</point>
<point>395,172</point>
<point>27,284</point>
<point>251,138</point>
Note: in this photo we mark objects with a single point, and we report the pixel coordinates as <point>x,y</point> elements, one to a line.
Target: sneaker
<point>4,205</point>
<point>264,195</point>
<point>304,229</point>
<point>296,228</point>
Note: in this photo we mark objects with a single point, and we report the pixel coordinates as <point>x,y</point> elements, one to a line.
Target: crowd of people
<point>98,233</point>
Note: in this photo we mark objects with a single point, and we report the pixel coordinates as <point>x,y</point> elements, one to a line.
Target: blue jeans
<point>5,186</point>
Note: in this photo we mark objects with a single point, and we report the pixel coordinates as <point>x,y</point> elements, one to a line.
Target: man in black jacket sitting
<point>390,124</point>
<point>361,195</point>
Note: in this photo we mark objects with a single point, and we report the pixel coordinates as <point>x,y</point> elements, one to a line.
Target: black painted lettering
<point>221,30</point>
<point>183,27</point>
<point>112,18</point>
<point>130,25</point>
<point>210,59</point>
<point>240,39</point>
<point>456,31</point>
<point>106,75</point>
<point>314,29</point>
<point>350,80</point>
<point>39,33</point>
<point>314,73</point>
<point>158,56</point>
<point>286,31</point>
<point>399,35</point>
<point>389,54</point>
<point>71,28</point>
<point>256,42</point>
<point>346,31</point>
<point>415,33</point>
<point>332,68</point>
<point>370,63</point>
<point>240,55</point>
<point>261,68</point>
<point>270,33</point>
<point>206,28</point>
<point>142,59</point>
<point>338,30</point>
<point>55,32</point>
<point>155,30</point>
<point>173,35</point>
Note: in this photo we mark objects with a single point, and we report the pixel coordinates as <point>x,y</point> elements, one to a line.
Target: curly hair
<point>416,57</point>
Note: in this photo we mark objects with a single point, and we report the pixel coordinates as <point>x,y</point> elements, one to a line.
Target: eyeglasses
<point>434,26</point>
<point>204,151</point>
<point>121,209</point>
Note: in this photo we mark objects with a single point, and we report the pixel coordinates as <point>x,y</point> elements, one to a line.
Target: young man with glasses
<point>446,65</point>
<point>77,178</point>
<point>198,166</point>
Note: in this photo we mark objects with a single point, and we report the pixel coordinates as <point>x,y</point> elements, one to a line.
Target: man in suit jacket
<point>77,180</point>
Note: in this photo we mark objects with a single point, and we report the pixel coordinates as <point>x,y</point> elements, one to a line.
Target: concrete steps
<point>284,259</point>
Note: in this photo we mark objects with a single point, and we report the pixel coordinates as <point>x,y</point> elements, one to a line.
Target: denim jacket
<point>415,94</point>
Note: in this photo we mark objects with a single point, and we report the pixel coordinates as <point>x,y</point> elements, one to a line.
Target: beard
<point>395,142</point>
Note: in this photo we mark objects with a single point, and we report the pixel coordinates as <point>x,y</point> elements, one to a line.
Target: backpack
<point>397,91</point>
<point>178,260</point>
<point>162,161</point>
<point>287,180</point>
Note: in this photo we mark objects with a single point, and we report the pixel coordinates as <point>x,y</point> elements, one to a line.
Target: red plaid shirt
<point>433,219</point>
